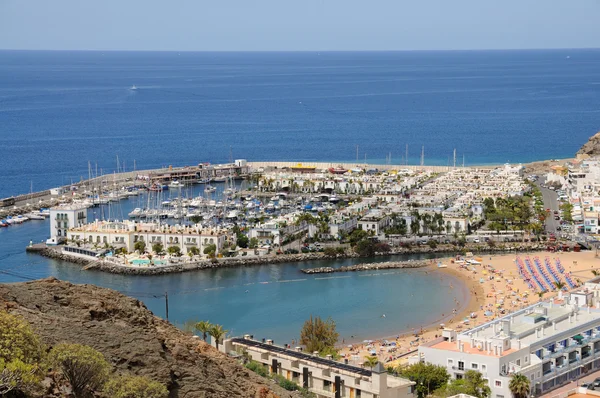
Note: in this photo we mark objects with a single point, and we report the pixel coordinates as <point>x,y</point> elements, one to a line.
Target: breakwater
<point>178,265</point>
<point>368,267</point>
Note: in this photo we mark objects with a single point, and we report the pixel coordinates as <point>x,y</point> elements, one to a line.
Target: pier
<point>369,267</point>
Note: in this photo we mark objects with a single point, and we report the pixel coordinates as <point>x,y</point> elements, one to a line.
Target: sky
<point>298,25</point>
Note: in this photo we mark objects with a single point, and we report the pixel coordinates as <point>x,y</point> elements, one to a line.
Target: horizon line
<point>305,51</point>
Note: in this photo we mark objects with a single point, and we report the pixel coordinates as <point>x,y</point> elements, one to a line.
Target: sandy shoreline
<point>494,286</point>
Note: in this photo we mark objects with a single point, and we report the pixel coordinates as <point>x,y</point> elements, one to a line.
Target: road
<point>550,202</point>
<point>589,377</point>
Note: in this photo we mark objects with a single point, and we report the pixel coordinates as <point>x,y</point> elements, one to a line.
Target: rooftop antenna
<point>463,160</point>
<point>357,154</point>
<point>423,155</point>
<point>406,156</point>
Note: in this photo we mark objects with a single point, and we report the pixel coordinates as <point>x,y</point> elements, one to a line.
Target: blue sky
<point>275,25</point>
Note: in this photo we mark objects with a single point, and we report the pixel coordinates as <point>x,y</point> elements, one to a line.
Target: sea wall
<point>368,267</point>
<point>115,268</point>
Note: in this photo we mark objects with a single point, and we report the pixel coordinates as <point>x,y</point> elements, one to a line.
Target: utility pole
<point>406,155</point>
<point>167,305</point>
<point>357,154</point>
<point>423,155</point>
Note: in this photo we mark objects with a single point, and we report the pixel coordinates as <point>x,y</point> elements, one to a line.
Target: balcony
<point>190,243</point>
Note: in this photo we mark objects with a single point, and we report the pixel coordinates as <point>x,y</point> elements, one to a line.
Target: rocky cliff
<point>131,338</point>
<point>591,147</point>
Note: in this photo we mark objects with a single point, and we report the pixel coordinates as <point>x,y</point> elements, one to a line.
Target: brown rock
<point>131,338</point>
<point>590,148</point>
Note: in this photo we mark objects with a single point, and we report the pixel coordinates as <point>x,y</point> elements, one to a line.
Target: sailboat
<point>133,87</point>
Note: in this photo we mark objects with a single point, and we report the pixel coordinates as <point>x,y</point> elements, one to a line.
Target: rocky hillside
<point>590,148</point>
<point>131,338</point>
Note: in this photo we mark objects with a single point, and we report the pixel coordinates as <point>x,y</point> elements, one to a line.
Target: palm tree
<point>559,285</point>
<point>204,328</point>
<point>541,294</point>
<point>519,386</point>
<point>370,362</point>
<point>218,333</point>
<point>595,272</point>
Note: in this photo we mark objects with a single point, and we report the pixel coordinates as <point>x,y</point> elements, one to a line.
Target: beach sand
<point>494,286</point>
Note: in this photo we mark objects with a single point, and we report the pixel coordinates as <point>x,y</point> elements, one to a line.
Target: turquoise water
<point>146,262</point>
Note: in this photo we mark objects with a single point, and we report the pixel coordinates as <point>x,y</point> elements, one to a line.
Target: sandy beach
<point>496,289</point>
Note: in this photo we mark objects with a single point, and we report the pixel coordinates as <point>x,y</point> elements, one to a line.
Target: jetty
<point>369,267</point>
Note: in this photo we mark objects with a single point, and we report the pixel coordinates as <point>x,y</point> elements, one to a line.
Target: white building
<point>62,219</point>
<point>551,343</point>
<point>127,233</point>
<point>374,222</point>
<point>323,377</point>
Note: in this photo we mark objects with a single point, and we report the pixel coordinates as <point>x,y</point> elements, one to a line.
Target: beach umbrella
<point>393,344</point>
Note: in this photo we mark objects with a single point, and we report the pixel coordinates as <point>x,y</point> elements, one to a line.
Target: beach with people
<point>495,288</point>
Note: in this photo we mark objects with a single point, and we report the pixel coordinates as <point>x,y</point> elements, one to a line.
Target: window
<point>474,366</point>
<point>326,385</point>
<point>483,368</point>
<point>450,362</point>
<point>458,376</point>
<point>526,359</point>
<point>518,362</point>
<point>461,365</point>
<point>498,383</point>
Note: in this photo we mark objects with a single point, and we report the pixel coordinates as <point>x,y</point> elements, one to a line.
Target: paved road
<point>550,202</point>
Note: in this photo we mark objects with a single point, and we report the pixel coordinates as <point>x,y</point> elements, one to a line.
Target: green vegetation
<point>398,225</point>
<point>135,387</point>
<point>472,384</point>
<point>365,248</point>
<point>319,335</point>
<point>519,386</point>
<point>174,251</point>
<point>253,243</point>
<point>356,236</point>
<point>157,248</point>
<point>21,354</point>
<point>285,383</point>
<point>84,368</point>
<point>210,250</point>
<point>428,377</point>
<point>204,328</point>
<point>567,209</point>
<point>514,212</point>
<point>196,219</point>
<point>193,251</point>
<point>257,368</point>
<point>370,362</point>
<point>218,333</point>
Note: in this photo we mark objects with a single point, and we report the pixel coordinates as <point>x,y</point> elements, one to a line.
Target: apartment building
<point>324,377</point>
<point>552,343</point>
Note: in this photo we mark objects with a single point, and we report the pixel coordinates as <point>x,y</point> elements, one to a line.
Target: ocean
<point>61,110</point>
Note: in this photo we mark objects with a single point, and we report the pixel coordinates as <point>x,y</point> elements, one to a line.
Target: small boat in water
<point>133,87</point>
<point>210,188</point>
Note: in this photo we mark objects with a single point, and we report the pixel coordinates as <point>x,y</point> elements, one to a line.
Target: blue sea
<point>61,110</point>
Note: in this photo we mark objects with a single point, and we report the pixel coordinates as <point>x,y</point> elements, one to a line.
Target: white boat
<point>175,184</point>
<point>33,216</point>
<point>133,87</point>
<point>210,188</point>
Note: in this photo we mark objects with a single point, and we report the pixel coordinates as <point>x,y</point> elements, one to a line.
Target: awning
<point>578,337</point>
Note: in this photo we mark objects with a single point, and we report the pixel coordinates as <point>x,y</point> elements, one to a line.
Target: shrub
<point>84,368</point>
<point>285,383</point>
<point>135,387</point>
<point>257,368</point>
<point>18,341</point>
<point>330,251</point>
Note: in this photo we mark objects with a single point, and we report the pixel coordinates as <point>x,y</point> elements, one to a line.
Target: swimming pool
<point>141,261</point>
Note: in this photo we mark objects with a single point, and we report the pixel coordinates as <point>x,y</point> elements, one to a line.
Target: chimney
<point>518,344</point>
<point>537,332</point>
<point>576,316</point>
<point>571,318</point>
<point>458,344</point>
<point>462,347</point>
<point>495,350</point>
<point>554,325</point>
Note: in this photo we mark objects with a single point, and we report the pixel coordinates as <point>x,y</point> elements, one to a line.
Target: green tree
<point>18,341</point>
<point>157,248</point>
<point>365,248</point>
<point>519,386</point>
<point>357,235</point>
<point>253,243</point>
<point>135,387</point>
<point>428,377</point>
<point>193,251</point>
<point>140,246</point>
<point>204,327</point>
<point>318,335</point>
<point>174,251</point>
<point>196,219</point>
<point>370,361</point>
<point>218,333</point>
<point>242,240</point>
<point>432,243</point>
<point>85,368</point>
<point>472,384</point>
<point>210,250</point>
<point>559,285</point>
